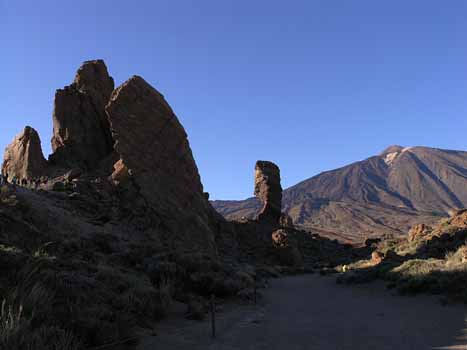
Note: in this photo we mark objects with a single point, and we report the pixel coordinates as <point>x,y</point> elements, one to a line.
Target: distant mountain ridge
<point>383,194</point>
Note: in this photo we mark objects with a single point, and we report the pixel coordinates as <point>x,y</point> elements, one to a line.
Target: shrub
<point>14,327</point>
<point>52,338</point>
<point>17,332</point>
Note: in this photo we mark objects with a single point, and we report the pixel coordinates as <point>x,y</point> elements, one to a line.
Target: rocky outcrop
<point>154,151</point>
<point>459,219</point>
<point>456,212</point>
<point>81,134</point>
<point>418,231</point>
<point>132,137</point>
<point>23,157</point>
<point>268,189</point>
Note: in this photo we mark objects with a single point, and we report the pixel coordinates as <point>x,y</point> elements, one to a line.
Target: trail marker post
<point>213,316</point>
<point>255,292</point>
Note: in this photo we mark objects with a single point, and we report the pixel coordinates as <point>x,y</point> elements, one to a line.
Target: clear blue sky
<point>311,85</point>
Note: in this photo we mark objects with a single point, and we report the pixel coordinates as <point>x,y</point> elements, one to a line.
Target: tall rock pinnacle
<point>269,190</point>
<point>23,157</point>
<point>81,133</point>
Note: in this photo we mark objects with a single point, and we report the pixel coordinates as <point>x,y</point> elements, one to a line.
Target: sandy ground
<point>313,312</point>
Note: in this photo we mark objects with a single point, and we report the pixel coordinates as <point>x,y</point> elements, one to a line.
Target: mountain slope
<point>384,194</point>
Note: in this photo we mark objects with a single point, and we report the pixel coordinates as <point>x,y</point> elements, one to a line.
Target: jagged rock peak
<point>23,157</point>
<point>156,158</point>
<point>81,131</point>
<point>138,83</point>
<point>269,190</point>
<point>93,77</point>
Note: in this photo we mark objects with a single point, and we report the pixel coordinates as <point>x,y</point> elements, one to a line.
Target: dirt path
<point>313,312</point>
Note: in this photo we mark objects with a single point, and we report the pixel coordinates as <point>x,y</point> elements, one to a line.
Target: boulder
<point>154,151</point>
<point>269,190</point>
<point>23,157</point>
<point>285,247</point>
<point>377,257</point>
<point>120,174</point>
<point>81,133</point>
<point>279,238</point>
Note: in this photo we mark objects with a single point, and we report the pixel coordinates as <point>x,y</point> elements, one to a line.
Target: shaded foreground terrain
<point>102,239</point>
<point>312,312</point>
<point>383,195</point>
<point>98,240</point>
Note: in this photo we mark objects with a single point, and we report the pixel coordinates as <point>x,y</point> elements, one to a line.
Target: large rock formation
<point>155,153</point>
<point>23,157</point>
<point>134,129</point>
<point>81,134</point>
<point>269,190</point>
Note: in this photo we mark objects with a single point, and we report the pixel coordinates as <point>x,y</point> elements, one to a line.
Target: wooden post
<point>213,316</point>
<point>255,291</point>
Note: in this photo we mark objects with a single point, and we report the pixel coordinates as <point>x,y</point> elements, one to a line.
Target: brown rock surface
<point>279,237</point>
<point>268,189</point>
<point>459,219</point>
<point>81,134</point>
<point>120,174</point>
<point>418,231</point>
<point>153,146</point>
<point>377,257</point>
<point>454,212</point>
<point>285,248</point>
<point>23,157</point>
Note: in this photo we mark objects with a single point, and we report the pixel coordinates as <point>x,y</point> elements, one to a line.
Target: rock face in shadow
<point>81,134</point>
<point>23,157</point>
<point>154,151</point>
<point>268,189</point>
<point>128,143</point>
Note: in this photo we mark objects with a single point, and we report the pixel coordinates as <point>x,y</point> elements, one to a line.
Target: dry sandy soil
<point>313,312</point>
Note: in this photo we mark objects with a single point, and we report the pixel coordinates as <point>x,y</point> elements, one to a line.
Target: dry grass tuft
<point>435,263</point>
<point>23,319</point>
